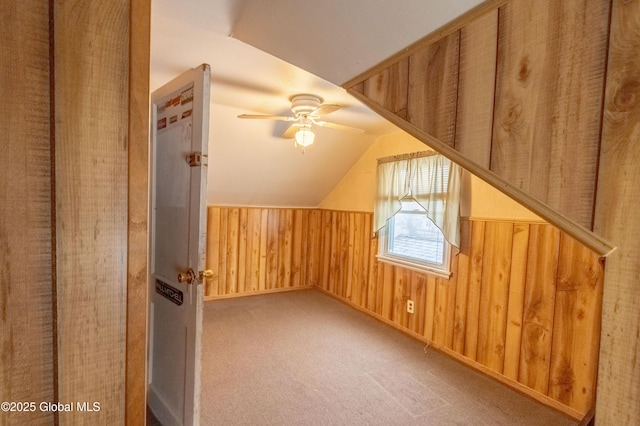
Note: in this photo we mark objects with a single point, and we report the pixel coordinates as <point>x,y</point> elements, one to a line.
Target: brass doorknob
<point>207,273</point>
<point>187,277</point>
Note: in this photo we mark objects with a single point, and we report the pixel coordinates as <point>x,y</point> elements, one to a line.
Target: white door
<point>180,129</point>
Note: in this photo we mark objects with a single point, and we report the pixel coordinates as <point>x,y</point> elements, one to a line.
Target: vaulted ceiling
<point>263,52</point>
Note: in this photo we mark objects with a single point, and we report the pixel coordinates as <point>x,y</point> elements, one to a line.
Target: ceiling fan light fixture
<point>304,137</point>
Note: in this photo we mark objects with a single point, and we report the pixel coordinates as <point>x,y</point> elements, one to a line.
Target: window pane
<point>414,236</point>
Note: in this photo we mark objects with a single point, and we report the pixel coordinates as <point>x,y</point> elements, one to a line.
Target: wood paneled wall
<point>517,90</point>
<point>555,137</point>
<point>26,248</point>
<point>617,218</point>
<point>523,302</point>
<point>91,204</point>
<point>255,250</point>
<point>72,242</point>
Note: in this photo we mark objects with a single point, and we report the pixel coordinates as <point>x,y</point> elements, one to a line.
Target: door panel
<point>180,114</point>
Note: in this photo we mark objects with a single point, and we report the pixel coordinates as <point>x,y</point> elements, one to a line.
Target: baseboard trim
<point>549,402</point>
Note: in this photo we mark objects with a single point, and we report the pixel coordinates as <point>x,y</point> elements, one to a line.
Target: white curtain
<point>433,181</point>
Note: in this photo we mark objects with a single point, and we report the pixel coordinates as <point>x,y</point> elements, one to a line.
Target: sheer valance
<point>432,180</point>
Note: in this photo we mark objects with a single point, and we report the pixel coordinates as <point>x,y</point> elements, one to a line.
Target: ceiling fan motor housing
<point>305,104</point>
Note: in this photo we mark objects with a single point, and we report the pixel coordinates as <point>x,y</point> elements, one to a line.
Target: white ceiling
<point>322,44</point>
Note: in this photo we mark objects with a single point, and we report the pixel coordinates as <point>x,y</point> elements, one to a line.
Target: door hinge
<point>196,159</point>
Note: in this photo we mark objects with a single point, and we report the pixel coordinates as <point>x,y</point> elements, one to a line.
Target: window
<point>417,211</point>
<point>411,239</point>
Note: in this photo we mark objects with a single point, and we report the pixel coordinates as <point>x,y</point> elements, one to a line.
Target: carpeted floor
<point>304,358</point>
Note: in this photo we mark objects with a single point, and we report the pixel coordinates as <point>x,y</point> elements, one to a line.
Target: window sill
<point>414,266</point>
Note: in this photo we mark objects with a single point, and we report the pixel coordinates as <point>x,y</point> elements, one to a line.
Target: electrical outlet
<point>410,306</point>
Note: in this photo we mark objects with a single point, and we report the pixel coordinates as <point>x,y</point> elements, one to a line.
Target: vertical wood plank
<point>138,190</point>
<point>462,288</point>
<point>440,311</point>
<point>373,275</point>
<point>551,67</point>
<point>264,248</point>
<point>616,218</point>
<point>224,221</point>
<point>315,252</point>
<point>327,244</point>
<point>91,203</point>
<point>419,281</point>
<point>398,311</point>
<point>430,306</point>
<point>433,85</point>
<point>366,248</point>
<point>26,299</point>
<point>244,246</point>
<point>388,287</point>
<point>213,250</point>
<point>576,326</point>
<point>356,273</point>
<point>539,304</point>
<point>498,240</point>
<point>297,271</point>
<point>273,229</point>
<point>253,274</point>
<point>475,284</point>
<point>233,226</point>
<point>474,120</point>
<point>452,288</point>
<point>285,235</point>
<point>389,88</point>
<point>516,300</point>
<point>349,278</point>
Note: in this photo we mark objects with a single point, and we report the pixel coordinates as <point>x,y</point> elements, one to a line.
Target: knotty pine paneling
<point>476,86</point>
<point>433,87</point>
<point>26,248</point>
<point>616,218</point>
<point>389,88</point>
<point>523,301</point>
<point>253,250</point>
<point>548,102</point>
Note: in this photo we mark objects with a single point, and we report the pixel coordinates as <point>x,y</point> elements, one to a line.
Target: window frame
<point>443,271</point>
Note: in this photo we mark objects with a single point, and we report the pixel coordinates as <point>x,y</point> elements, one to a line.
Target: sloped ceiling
<point>263,52</point>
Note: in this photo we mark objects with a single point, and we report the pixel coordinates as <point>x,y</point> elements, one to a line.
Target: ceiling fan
<point>307,111</point>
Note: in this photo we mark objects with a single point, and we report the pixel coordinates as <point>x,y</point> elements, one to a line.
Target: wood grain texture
<point>494,295</point>
<point>474,119</point>
<point>549,85</point>
<point>576,328</point>
<point>389,88</point>
<point>254,250</point>
<point>617,206</point>
<point>91,204</point>
<point>433,86</point>
<point>517,279</point>
<point>539,304</point>
<point>474,286</point>
<point>26,248</point>
<point>137,238</point>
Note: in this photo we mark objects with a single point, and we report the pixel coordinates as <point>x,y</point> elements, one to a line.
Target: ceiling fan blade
<point>325,109</point>
<point>339,127</point>
<point>268,117</point>
<point>290,133</point>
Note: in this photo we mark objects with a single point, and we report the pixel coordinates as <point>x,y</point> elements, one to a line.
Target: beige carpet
<point>304,358</point>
